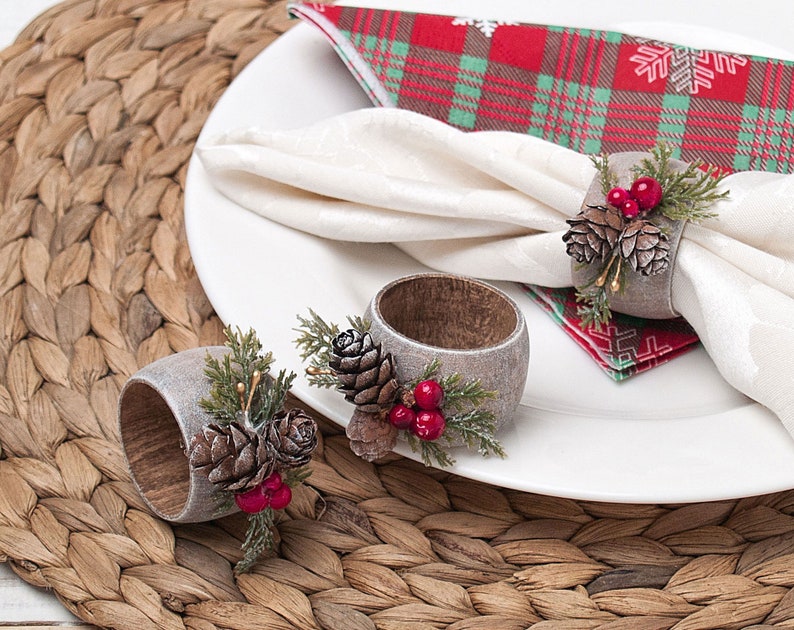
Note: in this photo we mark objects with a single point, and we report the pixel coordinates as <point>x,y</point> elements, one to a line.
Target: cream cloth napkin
<point>493,205</point>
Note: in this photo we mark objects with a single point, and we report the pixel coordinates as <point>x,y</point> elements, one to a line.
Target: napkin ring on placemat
<point>438,359</point>
<point>624,240</point>
<point>205,433</point>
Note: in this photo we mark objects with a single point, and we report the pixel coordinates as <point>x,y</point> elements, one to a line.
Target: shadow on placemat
<point>101,104</point>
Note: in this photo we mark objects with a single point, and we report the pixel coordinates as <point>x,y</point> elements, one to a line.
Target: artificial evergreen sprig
<point>476,429</point>
<point>316,341</point>
<point>607,178</point>
<point>593,307</point>
<point>687,194</point>
<point>468,423</point>
<point>274,398</point>
<point>240,365</point>
<point>458,394</point>
<point>258,539</point>
<point>432,453</point>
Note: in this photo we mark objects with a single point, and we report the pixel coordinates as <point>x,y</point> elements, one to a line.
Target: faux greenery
<point>316,340</point>
<point>687,195</point>
<point>593,306</point>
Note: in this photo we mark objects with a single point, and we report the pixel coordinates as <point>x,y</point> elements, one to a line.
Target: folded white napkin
<point>493,205</point>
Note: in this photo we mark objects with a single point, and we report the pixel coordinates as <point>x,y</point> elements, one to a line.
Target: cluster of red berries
<point>645,193</point>
<point>272,492</point>
<point>424,418</point>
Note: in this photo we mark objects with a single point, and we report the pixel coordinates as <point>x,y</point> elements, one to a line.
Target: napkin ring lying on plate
<point>624,240</point>
<point>438,359</point>
<point>205,434</point>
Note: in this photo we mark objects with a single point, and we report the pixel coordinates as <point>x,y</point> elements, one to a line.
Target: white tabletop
<point>20,603</point>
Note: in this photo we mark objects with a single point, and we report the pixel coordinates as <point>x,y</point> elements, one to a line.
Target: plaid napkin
<point>590,91</point>
<point>624,347</point>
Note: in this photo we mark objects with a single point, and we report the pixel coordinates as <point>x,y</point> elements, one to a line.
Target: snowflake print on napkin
<point>486,27</point>
<point>689,70</point>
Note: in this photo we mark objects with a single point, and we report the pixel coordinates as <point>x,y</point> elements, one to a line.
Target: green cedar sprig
<point>476,427</point>
<point>608,179</point>
<point>686,195</point>
<point>593,306</point>
<point>258,539</point>
<point>273,398</point>
<point>296,476</point>
<point>431,452</point>
<point>315,341</point>
<point>237,366</point>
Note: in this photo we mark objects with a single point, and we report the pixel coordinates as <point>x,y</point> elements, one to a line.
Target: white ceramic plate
<point>678,433</point>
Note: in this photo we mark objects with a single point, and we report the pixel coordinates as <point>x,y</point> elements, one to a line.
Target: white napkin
<point>493,205</point>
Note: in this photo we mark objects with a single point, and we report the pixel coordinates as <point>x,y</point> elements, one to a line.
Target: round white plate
<point>678,433</point>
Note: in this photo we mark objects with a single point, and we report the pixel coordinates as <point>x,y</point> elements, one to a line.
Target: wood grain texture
<point>101,102</point>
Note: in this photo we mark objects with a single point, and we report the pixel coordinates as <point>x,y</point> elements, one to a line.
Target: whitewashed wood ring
<point>158,414</point>
<point>473,328</point>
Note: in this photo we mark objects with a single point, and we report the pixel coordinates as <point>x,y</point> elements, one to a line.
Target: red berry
<point>281,497</point>
<point>647,192</point>
<point>617,197</point>
<point>429,425</point>
<point>252,501</point>
<point>630,208</point>
<point>273,482</point>
<point>401,416</point>
<point>428,395</point>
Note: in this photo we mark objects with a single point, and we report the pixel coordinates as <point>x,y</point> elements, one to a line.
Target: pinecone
<point>594,233</point>
<point>371,436</point>
<point>366,376</point>
<point>645,247</point>
<point>232,456</point>
<point>293,437</point>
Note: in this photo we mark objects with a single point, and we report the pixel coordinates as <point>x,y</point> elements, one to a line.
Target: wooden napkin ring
<point>471,327</point>
<point>158,415</point>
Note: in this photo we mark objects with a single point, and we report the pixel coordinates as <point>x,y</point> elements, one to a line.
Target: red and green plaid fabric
<point>624,347</point>
<point>589,90</point>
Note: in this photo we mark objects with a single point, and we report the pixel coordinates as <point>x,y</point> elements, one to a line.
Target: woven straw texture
<point>101,102</point>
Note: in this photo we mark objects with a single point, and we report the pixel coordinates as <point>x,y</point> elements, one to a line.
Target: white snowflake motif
<point>486,27</point>
<point>689,69</point>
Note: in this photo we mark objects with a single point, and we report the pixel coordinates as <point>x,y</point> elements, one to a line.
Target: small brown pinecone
<point>371,435</point>
<point>232,456</point>
<point>645,247</point>
<point>366,375</point>
<point>593,234</point>
<point>293,437</point>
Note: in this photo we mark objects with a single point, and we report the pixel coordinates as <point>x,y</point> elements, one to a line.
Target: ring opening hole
<point>153,443</point>
<point>448,312</point>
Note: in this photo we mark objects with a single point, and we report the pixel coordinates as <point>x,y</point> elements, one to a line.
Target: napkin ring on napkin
<point>623,242</point>
<point>205,434</point>
<point>438,359</point>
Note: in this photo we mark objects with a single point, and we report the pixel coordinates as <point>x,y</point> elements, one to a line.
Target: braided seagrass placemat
<point>102,101</point>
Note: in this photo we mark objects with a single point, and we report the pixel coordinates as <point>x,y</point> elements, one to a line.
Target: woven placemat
<point>102,101</point>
